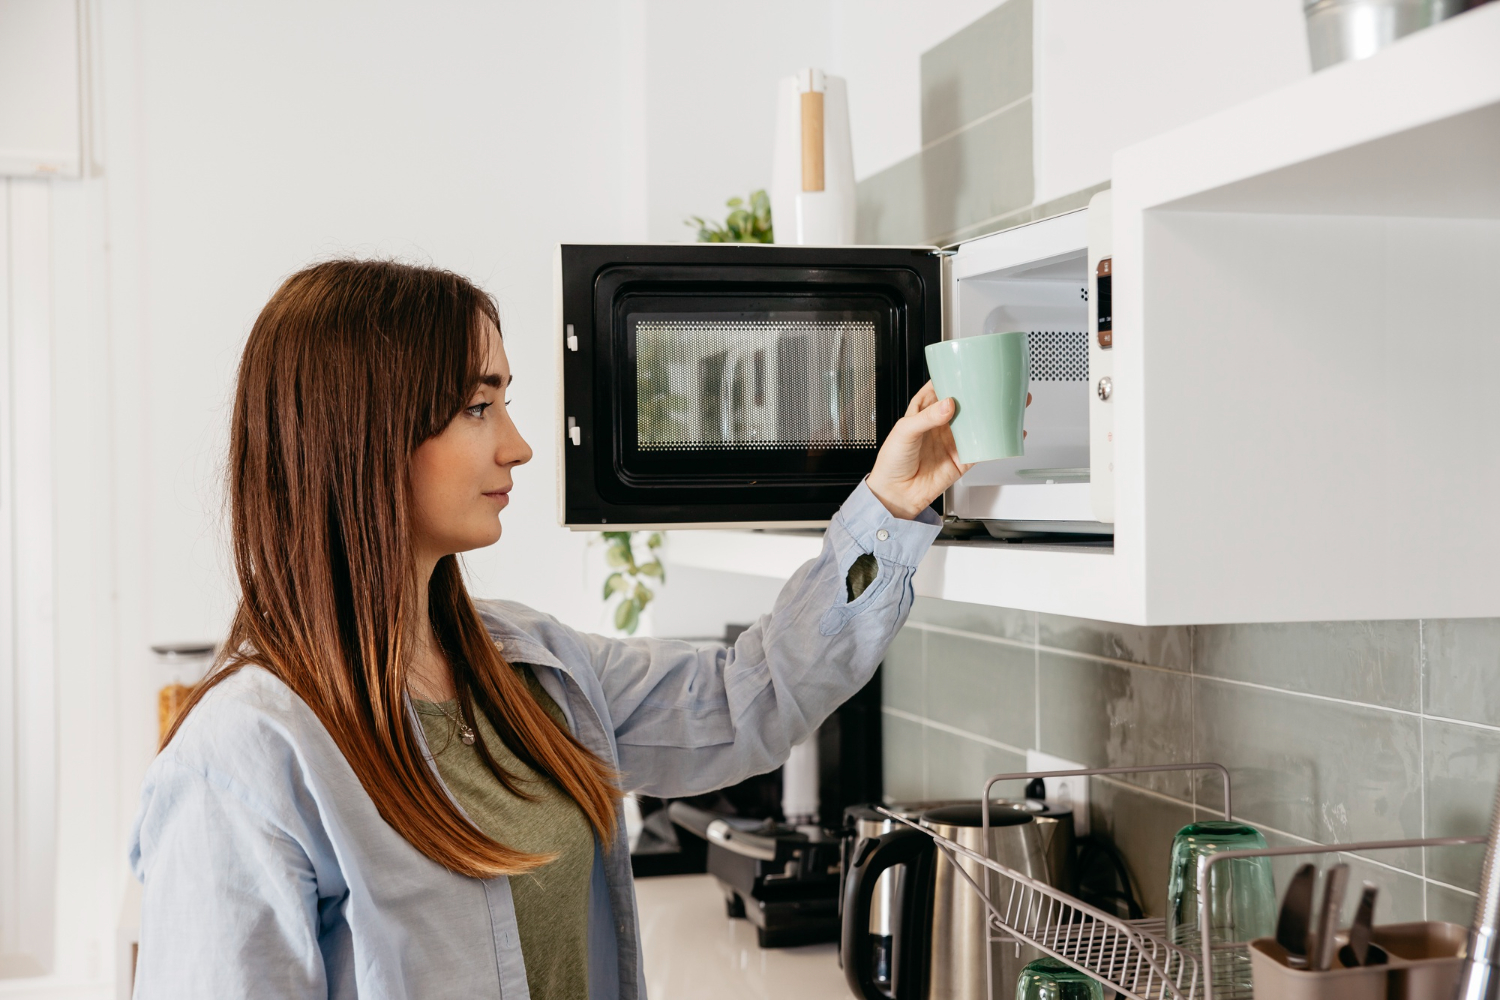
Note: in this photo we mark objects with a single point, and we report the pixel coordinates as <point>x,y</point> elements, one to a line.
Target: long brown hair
<point>349,367</point>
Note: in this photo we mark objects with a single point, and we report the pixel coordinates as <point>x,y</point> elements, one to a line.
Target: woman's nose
<point>513,447</point>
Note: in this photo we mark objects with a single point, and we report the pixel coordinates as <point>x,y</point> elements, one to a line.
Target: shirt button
<point>882,535</point>
<point>500,645</point>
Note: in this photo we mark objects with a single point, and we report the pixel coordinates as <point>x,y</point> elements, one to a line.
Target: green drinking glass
<point>1242,897</point>
<point>1049,979</point>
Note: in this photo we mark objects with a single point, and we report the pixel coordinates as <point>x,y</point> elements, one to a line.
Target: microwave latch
<point>572,341</point>
<point>575,433</point>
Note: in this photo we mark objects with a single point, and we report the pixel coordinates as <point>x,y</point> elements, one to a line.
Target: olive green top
<point>552,903</point>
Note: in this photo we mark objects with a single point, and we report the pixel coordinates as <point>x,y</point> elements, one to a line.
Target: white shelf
<point>1305,345</point>
<point>1045,577</point>
<point>1306,349</point>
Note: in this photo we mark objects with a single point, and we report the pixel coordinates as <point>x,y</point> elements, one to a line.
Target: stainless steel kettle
<point>939,931</point>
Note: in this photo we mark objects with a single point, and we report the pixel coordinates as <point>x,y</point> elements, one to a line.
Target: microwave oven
<point>750,385</point>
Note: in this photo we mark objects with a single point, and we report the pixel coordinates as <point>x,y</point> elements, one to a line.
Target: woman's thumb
<point>936,415</point>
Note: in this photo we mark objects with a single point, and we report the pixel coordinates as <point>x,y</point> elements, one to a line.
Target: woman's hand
<point>919,459</point>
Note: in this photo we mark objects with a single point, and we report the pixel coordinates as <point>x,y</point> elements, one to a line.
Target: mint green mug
<point>987,377</point>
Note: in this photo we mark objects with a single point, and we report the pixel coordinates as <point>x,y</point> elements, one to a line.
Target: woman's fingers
<point>924,398</point>
<point>933,416</point>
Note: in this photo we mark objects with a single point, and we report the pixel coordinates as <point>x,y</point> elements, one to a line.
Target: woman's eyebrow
<point>496,381</point>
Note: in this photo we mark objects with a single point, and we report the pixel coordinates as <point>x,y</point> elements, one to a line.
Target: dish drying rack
<point>1131,957</point>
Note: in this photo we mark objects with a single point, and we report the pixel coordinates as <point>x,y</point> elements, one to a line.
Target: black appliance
<point>783,879</point>
<point>734,384</point>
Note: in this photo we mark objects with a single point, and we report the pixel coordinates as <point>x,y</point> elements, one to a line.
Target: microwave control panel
<point>1101,359</point>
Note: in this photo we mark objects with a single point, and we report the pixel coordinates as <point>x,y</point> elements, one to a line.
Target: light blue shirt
<point>268,872</point>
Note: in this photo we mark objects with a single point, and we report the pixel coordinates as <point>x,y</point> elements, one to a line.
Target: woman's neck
<point>428,676</point>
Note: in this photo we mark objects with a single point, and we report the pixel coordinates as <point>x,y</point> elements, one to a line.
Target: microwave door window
<point>747,385</point>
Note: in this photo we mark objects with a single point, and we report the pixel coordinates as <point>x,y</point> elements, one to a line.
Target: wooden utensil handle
<point>812,140</point>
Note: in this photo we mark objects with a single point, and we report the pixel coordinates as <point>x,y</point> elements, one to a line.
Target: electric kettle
<point>938,928</point>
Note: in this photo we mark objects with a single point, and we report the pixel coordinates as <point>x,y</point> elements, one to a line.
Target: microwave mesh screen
<point>1059,355</point>
<point>736,384</point>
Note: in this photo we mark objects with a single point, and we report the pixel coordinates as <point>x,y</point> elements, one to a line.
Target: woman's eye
<point>477,410</point>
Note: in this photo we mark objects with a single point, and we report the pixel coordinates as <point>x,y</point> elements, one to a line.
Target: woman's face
<point>461,478</point>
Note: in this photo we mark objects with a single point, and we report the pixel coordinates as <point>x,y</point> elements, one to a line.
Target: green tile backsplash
<point>974,169</point>
<point>1463,664</point>
<point>1374,662</point>
<point>978,71</point>
<point>1329,730</point>
<point>982,687</point>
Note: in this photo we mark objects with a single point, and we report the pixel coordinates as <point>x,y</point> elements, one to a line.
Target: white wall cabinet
<point>1307,345</point>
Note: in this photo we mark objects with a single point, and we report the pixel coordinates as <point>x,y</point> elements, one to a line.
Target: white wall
<point>711,68</point>
<point>238,143</point>
<point>1109,74</point>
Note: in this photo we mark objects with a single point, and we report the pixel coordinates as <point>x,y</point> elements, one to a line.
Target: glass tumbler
<point>1049,979</point>
<point>1242,897</point>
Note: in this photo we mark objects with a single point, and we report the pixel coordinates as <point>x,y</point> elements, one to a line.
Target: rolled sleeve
<point>689,719</point>
<point>863,525</point>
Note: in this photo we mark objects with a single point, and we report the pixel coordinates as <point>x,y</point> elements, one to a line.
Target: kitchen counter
<point>692,950</point>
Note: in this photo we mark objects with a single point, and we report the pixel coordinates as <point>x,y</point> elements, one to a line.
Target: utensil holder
<point>1274,978</point>
<point>1427,958</point>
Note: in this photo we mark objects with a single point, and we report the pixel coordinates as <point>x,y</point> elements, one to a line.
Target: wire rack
<point>1131,957</point>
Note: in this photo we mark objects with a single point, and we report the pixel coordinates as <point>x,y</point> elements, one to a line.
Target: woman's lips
<point>501,497</point>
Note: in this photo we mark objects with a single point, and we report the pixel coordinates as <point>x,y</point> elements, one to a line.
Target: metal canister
<point>1341,30</point>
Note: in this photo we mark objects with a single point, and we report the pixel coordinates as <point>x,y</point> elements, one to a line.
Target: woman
<point>385,789</point>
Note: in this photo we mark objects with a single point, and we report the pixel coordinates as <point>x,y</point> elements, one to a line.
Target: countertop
<point>693,951</point>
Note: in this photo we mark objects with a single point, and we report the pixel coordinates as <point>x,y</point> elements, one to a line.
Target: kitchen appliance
<point>783,879</point>
<point>780,871</point>
<point>812,162</point>
<point>940,934</point>
<point>751,385</point>
<point>866,823</point>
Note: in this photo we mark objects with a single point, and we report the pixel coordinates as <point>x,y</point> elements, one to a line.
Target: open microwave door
<point>716,385</point>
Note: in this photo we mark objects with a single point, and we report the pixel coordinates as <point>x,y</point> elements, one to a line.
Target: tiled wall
<point>973,174</point>
<point>1333,732</point>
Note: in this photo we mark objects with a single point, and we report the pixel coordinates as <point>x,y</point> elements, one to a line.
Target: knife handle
<point>1334,886</point>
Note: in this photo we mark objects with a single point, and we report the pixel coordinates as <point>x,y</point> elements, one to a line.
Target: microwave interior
<point>734,385</point>
<point>1047,488</point>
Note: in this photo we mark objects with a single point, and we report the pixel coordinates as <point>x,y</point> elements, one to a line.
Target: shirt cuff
<point>879,532</point>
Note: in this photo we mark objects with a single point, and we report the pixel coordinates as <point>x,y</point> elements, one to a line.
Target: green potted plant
<point>628,581</point>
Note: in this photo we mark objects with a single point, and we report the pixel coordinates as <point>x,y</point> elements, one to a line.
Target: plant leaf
<point>654,540</point>
<point>628,617</point>
<point>642,595</point>
<point>615,584</point>
<point>616,556</point>
<point>652,569</point>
